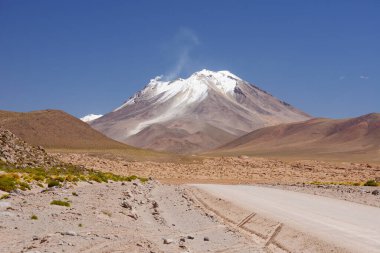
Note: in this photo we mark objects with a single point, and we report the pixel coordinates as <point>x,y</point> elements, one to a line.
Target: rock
<point>17,152</point>
<point>70,233</point>
<point>35,238</point>
<point>125,203</point>
<point>375,192</point>
<point>168,241</point>
<point>190,237</point>
<point>181,244</point>
<point>154,204</point>
<point>136,182</point>
<point>206,239</point>
<point>133,214</point>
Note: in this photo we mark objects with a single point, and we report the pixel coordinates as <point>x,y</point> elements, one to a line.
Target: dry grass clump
<point>60,203</point>
<point>20,178</point>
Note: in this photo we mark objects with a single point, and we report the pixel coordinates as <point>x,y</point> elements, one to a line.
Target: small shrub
<point>7,183</point>
<point>80,225</point>
<point>75,194</point>
<point>40,185</point>
<point>60,203</point>
<point>24,186</point>
<point>5,196</point>
<point>34,217</point>
<point>38,177</point>
<point>371,183</point>
<point>52,183</point>
<point>143,179</point>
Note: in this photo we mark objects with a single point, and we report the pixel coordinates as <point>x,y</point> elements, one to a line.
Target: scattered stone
<point>133,214</point>
<point>190,237</point>
<point>181,244</point>
<point>126,204</point>
<point>19,153</point>
<point>206,239</point>
<point>168,241</point>
<point>154,204</point>
<point>71,233</point>
<point>375,192</point>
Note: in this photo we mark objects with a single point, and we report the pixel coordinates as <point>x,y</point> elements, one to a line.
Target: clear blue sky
<point>84,57</point>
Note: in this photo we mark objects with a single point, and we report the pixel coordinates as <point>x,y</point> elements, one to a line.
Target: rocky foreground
<point>114,217</point>
<point>15,151</point>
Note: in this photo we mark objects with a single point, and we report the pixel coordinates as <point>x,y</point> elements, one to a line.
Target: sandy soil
<point>97,221</point>
<point>233,170</point>
<point>135,217</point>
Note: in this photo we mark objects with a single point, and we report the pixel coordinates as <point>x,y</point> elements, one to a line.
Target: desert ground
<point>177,210</point>
<point>242,169</point>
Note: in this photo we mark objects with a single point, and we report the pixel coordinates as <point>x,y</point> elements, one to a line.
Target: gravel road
<point>353,226</point>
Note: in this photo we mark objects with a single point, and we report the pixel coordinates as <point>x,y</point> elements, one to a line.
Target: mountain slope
<point>55,129</point>
<point>355,138</point>
<point>188,111</point>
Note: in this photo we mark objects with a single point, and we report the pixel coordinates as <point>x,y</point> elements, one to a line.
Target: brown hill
<point>56,130</point>
<point>344,139</point>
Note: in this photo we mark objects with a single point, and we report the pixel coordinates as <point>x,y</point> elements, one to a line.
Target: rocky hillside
<point>20,154</point>
<point>201,112</point>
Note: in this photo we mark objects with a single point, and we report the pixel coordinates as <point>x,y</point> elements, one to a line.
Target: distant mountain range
<point>199,113</point>
<point>209,113</point>
<point>319,138</point>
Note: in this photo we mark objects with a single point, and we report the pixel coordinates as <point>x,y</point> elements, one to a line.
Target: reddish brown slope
<point>56,129</point>
<point>356,139</point>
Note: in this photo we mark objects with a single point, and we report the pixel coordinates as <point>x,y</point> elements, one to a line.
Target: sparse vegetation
<point>371,183</point>
<point>336,183</point>
<point>24,186</point>
<point>4,196</point>
<point>34,217</point>
<point>60,203</point>
<point>53,183</point>
<point>7,183</point>
<point>21,178</point>
<point>368,183</point>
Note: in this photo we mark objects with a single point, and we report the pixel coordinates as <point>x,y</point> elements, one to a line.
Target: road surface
<point>353,226</point>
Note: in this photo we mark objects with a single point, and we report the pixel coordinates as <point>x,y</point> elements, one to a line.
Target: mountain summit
<point>201,112</point>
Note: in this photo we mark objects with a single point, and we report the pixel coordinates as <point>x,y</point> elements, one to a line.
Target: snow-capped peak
<point>90,117</point>
<point>193,89</point>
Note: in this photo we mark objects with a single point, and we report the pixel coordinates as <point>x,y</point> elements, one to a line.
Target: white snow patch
<point>180,93</point>
<point>90,117</point>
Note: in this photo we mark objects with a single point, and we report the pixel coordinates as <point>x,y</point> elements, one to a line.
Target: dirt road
<point>345,224</point>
